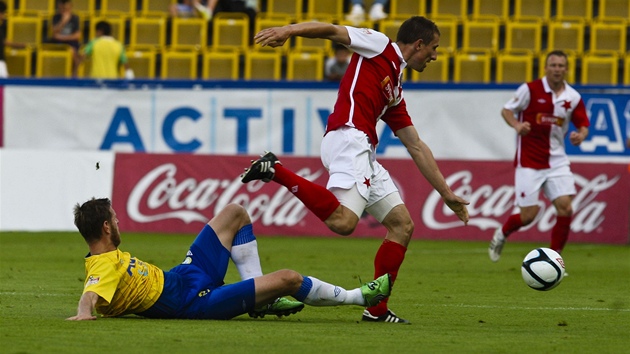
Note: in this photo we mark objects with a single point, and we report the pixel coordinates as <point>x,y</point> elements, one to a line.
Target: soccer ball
<point>542,269</point>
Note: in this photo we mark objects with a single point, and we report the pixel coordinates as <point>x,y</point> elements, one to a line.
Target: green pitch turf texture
<point>457,300</point>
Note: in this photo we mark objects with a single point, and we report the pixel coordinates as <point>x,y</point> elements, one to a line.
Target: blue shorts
<point>195,288</point>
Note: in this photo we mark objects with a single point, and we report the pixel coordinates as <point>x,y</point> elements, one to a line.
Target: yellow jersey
<point>107,55</point>
<point>123,283</point>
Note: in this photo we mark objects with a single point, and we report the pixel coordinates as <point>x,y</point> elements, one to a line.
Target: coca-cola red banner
<point>180,193</point>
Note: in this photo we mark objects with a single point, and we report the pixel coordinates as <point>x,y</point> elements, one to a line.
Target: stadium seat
<point>27,30</point>
<point>480,36</point>
<point>498,10</point>
<point>54,61</point>
<point>571,66</point>
<point>600,70</point>
<point>35,8</point>
<point>125,8</point>
<point>437,71</point>
<point>263,65</point>
<point>614,10</point>
<point>230,30</point>
<point>220,65</point>
<point>574,10</point>
<point>566,35</point>
<point>180,65</point>
<point>264,21</point>
<point>403,9</point>
<point>608,38</point>
<point>117,23</point>
<point>448,34</point>
<point>514,68</point>
<point>472,67</point>
<point>149,33</point>
<point>189,33</point>
<point>84,8</point>
<point>532,10</point>
<point>156,8</point>
<point>626,70</point>
<point>390,28</point>
<point>19,62</point>
<point>305,66</point>
<point>142,62</point>
<point>292,9</point>
<point>325,11</point>
<point>523,36</point>
<point>450,9</point>
<point>303,44</point>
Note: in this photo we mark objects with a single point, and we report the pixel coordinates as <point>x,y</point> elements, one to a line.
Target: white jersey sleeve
<point>520,101</point>
<point>367,42</point>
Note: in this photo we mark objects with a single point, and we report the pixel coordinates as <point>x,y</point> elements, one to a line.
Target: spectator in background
<point>183,9</point>
<point>357,11</point>
<point>211,7</point>
<point>107,54</point>
<point>4,73</point>
<point>66,29</point>
<point>336,66</point>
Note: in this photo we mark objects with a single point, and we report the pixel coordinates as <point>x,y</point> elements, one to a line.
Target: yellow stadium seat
<point>221,65</point>
<point>402,9</point>
<point>498,10</point>
<point>126,8</point>
<point>84,8</point>
<point>437,71</point>
<point>292,9</point>
<point>263,22</point>
<point>472,67</point>
<point>303,44</point>
<point>566,35</point>
<point>481,36</point>
<point>156,8</point>
<point>142,62</point>
<point>36,7</point>
<point>263,65</point>
<point>230,31</point>
<point>615,10</point>
<point>455,9</point>
<point>448,34</point>
<point>626,70</point>
<point>325,10</point>
<point>305,66</point>
<point>179,65</point>
<point>600,70</point>
<point>147,32</point>
<point>571,66</point>
<point>189,33</point>
<point>523,36</point>
<point>19,62</point>
<point>514,68</point>
<point>608,38</point>
<point>117,23</point>
<point>574,10</point>
<point>390,28</point>
<point>532,9</point>
<point>27,30</point>
<point>54,61</point>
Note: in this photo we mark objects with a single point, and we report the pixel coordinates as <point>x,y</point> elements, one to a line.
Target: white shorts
<point>555,182</point>
<point>358,181</point>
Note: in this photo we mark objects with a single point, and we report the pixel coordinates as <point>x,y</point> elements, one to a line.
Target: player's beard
<point>115,236</point>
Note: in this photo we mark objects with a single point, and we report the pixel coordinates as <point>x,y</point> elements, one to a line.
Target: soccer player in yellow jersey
<point>118,284</point>
<point>107,54</point>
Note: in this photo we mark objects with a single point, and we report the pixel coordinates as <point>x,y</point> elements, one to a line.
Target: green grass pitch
<point>457,300</point>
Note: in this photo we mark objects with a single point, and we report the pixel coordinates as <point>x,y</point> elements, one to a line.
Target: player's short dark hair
<point>558,53</point>
<point>3,7</point>
<point>104,27</point>
<point>61,2</point>
<point>90,216</point>
<point>417,27</point>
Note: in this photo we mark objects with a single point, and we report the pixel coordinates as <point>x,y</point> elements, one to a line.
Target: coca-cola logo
<point>488,203</point>
<point>160,195</point>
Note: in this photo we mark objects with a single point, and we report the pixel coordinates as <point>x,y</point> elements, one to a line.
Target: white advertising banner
<point>463,125</point>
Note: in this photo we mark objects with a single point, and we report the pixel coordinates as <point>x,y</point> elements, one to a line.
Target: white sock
<point>245,254</point>
<point>325,294</point>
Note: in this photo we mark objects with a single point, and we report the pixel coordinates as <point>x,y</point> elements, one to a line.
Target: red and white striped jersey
<point>371,88</point>
<point>549,116</point>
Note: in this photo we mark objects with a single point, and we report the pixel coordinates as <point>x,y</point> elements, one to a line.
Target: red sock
<point>388,260</point>
<point>317,199</point>
<point>512,224</point>
<point>560,233</point>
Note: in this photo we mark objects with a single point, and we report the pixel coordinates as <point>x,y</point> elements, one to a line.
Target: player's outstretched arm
<point>277,36</point>
<point>86,307</point>
<point>424,160</point>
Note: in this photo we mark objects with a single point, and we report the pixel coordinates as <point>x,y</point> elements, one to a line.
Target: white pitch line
<point>526,308</point>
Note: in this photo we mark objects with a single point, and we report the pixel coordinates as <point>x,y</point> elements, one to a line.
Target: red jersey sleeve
<point>397,117</point>
<point>579,116</point>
